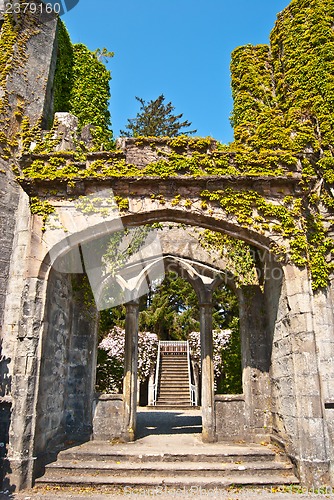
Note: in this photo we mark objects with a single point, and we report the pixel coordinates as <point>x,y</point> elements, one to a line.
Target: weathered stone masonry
<point>48,331</point>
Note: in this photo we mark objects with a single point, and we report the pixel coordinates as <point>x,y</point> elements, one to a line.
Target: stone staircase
<point>173,388</point>
<point>102,465</point>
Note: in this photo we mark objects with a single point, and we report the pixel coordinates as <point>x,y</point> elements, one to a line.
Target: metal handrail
<point>192,387</point>
<point>156,381</point>
<point>173,346</point>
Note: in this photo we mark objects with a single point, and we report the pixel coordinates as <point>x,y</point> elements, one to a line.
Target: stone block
<point>108,417</point>
<point>230,417</point>
<point>311,438</point>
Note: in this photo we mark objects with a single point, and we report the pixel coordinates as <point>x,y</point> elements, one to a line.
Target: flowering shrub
<point>220,341</point>
<point>110,369</point>
<point>226,358</point>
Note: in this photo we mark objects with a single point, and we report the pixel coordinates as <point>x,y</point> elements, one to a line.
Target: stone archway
<point>287,319</point>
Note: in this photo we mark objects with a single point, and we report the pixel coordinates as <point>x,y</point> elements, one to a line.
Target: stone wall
<point>50,425</point>
<point>142,151</point>
<point>67,376</point>
<point>81,375</point>
<point>31,81</point>
<point>9,198</point>
<point>324,320</point>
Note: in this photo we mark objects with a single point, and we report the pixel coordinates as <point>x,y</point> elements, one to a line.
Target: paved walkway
<point>177,430</point>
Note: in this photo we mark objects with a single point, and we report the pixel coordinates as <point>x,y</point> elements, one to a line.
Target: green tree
<point>156,119</point>
<point>170,310</point>
<point>230,380</point>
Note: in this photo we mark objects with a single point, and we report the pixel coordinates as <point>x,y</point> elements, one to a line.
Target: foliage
<point>226,358</point>
<point>284,101</point>
<point>156,119</point>
<point>110,369</point>
<point>237,253</point>
<point>90,94</point>
<point>123,245</point>
<point>15,34</point>
<point>63,80</point>
<point>171,309</point>
<point>229,381</point>
<point>82,87</point>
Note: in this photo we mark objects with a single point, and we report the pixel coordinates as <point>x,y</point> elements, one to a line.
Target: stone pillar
<point>255,351</point>
<point>208,395</point>
<point>130,370</point>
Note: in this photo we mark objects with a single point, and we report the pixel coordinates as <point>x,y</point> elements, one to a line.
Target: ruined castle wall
<point>9,198</point>
<point>31,83</point>
<point>282,385</point>
<point>81,362</point>
<point>324,326</point>
<point>50,428</point>
<point>67,374</point>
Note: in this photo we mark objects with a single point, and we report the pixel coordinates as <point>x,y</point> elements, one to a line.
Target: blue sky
<point>179,48</point>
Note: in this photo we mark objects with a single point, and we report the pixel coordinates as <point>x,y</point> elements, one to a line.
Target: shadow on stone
<point>167,422</point>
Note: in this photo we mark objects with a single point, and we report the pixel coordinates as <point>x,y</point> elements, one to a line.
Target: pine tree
<point>156,119</point>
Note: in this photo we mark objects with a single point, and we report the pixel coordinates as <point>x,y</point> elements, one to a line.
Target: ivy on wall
<point>284,101</point>
<point>63,80</point>
<point>14,36</point>
<point>82,88</point>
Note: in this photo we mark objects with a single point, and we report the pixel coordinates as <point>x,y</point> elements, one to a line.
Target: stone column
<point>255,352</point>
<point>208,395</point>
<point>130,370</point>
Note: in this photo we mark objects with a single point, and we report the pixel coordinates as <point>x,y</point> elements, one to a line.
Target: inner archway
<point>214,276</point>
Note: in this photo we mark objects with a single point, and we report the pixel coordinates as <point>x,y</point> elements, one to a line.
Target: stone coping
<point>229,397</point>
<point>109,397</point>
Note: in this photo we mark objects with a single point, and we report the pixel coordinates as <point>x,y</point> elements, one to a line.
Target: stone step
<point>100,451</point>
<point>174,367</point>
<point>174,403</point>
<point>178,396</point>
<point>171,363</point>
<point>97,464</point>
<point>171,402</point>
<point>174,380</point>
<point>68,468</point>
<point>174,396</point>
<point>176,373</point>
<point>173,399</point>
<point>209,482</point>
<point>174,388</point>
<point>163,406</point>
<point>173,370</point>
<point>174,385</point>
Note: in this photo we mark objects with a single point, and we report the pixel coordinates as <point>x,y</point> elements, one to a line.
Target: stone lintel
<point>171,185</point>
